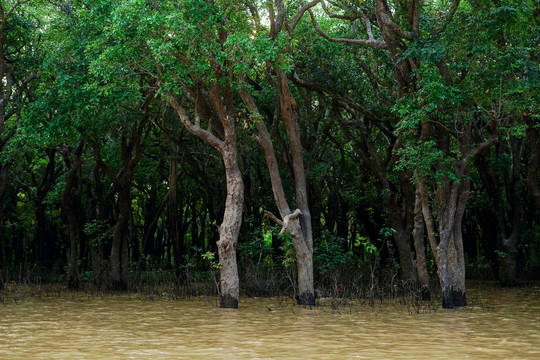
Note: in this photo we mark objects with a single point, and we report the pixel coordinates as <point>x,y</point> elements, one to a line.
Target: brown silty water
<point>498,324</point>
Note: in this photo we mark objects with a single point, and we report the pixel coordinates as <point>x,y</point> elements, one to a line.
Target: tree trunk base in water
<point>459,298</point>
<point>447,302</point>
<point>453,299</point>
<point>229,302</point>
<point>508,270</point>
<point>306,299</point>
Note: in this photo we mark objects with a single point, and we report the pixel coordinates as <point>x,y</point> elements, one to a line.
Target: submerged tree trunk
<point>448,248</point>
<point>119,249</point>
<point>232,217</point>
<point>230,227</point>
<point>300,231</point>
<point>303,246</point>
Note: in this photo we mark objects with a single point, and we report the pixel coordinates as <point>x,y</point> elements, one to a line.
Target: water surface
<point>499,323</point>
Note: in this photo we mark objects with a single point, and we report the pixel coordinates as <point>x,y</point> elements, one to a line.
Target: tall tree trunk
<point>303,245</point>
<point>458,263</point>
<point>420,249</point>
<point>232,217</point>
<point>448,248</point>
<point>230,227</point>
<point>508,270</point>
<point>69,208</point>
<point>119,268</point>
<point>299,230</point>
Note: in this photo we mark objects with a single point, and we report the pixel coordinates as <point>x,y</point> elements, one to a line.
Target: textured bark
<point>303,245</point>
<point>420,249</point>
<point>291,223</point>
<point>232,221</point>
<point>223,108</point>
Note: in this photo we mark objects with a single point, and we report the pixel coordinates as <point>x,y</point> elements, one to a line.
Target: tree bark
<point>303,246</point>
<point>230,227</point>
<point>420,249</point>
<point>232,218</point>
<point>69,208</point>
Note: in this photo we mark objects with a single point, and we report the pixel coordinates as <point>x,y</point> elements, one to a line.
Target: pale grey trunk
<point>304,267</point>
<point>232,217</point>
<point>300,226</point>
<point>230,227</point>
<point>454,198</point>
<point>303,246</point>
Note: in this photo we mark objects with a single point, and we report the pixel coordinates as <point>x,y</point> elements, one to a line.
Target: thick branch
<point>288,218</point>
<point>302,11</point>
<point>387,21</point>
<point>194,128</point>
<point>371,42</point>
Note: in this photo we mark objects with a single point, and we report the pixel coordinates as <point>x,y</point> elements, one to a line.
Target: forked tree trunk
<point>298,224</point>
<point>303,246</point>
<point>232,218</point>
<point>448,247</point>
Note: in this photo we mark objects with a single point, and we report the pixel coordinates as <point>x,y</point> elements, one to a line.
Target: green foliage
<point>289,257</point>
<point>100,60</point>
<point>331,254</point>
<point>210,258</point>
<point>259,249</point>
<point>99,231</point>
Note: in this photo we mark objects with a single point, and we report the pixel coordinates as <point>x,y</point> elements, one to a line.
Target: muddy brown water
<point>498,324</point>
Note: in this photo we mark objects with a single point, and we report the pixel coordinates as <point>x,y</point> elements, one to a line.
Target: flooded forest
<point>317,153</point>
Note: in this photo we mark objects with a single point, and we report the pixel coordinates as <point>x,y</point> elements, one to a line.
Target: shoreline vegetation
<point>328,300</point>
